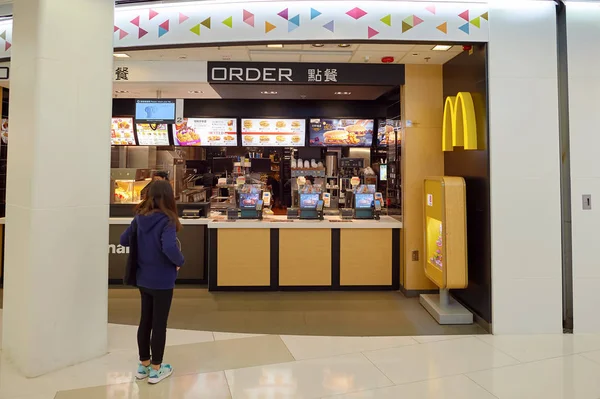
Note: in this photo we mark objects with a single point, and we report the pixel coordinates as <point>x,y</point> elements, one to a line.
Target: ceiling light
<point>318,45</point>
<point>344,45</point>
<point>441,47</point>
<point>342,93</point>
<point>268,92</point>
<point>275,45</point>
<point>195,92</point>
<point>415,54</point>
<point>120,55</point>
<point>121,91</point>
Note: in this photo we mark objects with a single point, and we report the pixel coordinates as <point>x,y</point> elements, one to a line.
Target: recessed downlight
<point>441,47</point>
<point>268,92</point>
<point>274,45</point>
<point>344,45</point>
<point>121,91</point>
<point>120,55</point>
<point>318,45</point>
<point>342,93</point>
<point>195,92</point>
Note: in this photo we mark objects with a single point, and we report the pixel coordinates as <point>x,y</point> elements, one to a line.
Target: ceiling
<point>300,92</point>
<point>355,53</point>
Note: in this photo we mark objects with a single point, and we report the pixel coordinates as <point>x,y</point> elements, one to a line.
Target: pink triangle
<point>431,9</point>
<point>464,15</point>
<point>416,21</point>
<point>183,18</point>
<point>152,14</point>
<point>7,46</point>
<point>122,34</point>
<point>284,14</point>
<point>247,15</point>
<point>165,25</point>
<point>116,29</point>
<point>250,21</point>
<point>356,13</point>
<point>142,33</point>
<point>372,32</point>
<point>136,21</point>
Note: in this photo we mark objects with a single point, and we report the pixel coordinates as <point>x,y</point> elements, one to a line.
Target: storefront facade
<point>524,185</point>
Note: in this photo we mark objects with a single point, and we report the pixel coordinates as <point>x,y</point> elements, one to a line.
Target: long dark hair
<point>160,198</point>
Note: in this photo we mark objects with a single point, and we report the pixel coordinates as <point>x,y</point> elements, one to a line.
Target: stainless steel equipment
<point>331,164</point>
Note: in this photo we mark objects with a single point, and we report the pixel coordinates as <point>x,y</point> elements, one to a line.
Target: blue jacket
<point>158,252</point>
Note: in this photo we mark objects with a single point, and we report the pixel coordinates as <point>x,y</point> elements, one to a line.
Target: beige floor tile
<point>425,339</point>
<point>193,386</point>
<point>224,336</point>
<point>123,337</point>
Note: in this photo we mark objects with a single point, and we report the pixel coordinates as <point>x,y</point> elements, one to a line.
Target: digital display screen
<point>121,132</point>
<point>155,111</point>
<point>383,172</point>
<point>341,132</point>
<point>221,132</point>
<point>363,201</point>
<point>248,200</point>
<point>309,201</point>
<point>273,132</point>
<point>151,134</point>
<point>388,132</point>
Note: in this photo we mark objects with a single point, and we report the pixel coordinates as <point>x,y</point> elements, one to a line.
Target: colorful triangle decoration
<point>330,26</point>
<point>163,28</point>
<point>142,33</point>
<point>206,23</point>
<point>248,18</point>
<point>228,22</point>
<point>284,14</point>
<point>136,21</point>
<point>443,27</point>
<point>405,27</point>
<point>372,32</point>
<point>416,21</point>
<point>387,20</point>
<point>431,9</point>
<point>485,16</point>
<point>116,29</point>
<point>152,14</point>
<point>464,15</point>
<point>314,13</point>
<point>294,23</point>
<point>7,45</point>
<point>465,28</point>
<point>269,27</point>
<point>409,21</point>
<point>3,35</point>
<point>122,34</point>
<point>182,18</point>
<point>476,22</point>
<point>356,13</point>
<point>196,29</point>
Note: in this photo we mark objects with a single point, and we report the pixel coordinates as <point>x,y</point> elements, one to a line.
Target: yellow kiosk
<point>446,247</point>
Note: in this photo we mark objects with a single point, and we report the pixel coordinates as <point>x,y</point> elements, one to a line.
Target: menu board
<point>122,132</point>
<point>387,130</point>
<point>273,132</point>
<point>148,136</point>
<point>341,132</point>
<point>206,132</point>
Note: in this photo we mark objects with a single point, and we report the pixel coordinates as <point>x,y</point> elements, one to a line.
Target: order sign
<point>206,132</point>
<point>273,132</point>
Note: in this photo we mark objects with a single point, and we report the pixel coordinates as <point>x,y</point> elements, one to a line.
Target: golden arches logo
<point>464,122</point>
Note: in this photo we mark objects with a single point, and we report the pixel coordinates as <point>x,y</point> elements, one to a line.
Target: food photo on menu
<point>205,132</point>
<point>151,134</point>
<point>273,132</point>
<point>387,131</point>
<point>122,131</point>
<point>341,132</point>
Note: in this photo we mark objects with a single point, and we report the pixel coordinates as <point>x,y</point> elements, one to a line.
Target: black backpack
<point>130,277</point>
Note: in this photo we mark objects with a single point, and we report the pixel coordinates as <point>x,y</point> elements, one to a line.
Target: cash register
<point>311,206</point>
<point>251,206</point>
<point>366,206</point>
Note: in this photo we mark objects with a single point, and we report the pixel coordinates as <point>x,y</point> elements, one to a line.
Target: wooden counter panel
<point>243,257</point>
<point>366,257</point>
<point>305,257</point>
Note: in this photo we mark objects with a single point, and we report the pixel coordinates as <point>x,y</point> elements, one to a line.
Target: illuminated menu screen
<point>121,132</point>
<point>206,132</point>
<point>148,136</point>
<point>341,132</point>
<point>273,132</point>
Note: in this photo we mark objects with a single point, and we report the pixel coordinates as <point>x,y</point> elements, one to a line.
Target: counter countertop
<point>281,222</point>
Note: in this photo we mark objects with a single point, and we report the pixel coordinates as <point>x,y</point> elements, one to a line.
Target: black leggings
<point>153,324</point>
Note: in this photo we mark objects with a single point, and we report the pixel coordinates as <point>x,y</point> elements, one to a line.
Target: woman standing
<point>159,259</point>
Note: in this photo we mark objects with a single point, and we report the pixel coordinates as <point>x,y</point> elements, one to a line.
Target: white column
<point>524,168</point>
<point>55,287</point>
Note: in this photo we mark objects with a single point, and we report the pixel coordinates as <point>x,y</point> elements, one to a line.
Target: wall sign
<point>305,73</point>
<point>464,122</point>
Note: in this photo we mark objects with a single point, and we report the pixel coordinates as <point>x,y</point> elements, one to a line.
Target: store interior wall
<point>583,30</point>
<point>467,73</point>
<point>422,106</point>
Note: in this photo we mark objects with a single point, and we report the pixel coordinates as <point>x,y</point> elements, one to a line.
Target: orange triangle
<point>269,27</point>
<point>443,27</point>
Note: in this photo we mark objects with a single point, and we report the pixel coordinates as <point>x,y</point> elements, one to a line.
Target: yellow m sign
<point>464,122</point>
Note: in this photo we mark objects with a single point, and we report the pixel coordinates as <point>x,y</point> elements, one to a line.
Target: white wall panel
<point>524,169</point>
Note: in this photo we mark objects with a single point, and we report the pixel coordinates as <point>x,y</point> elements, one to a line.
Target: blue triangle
<point>292,26</point>
<point>329,26</point>
<point>465,28</point>
<point>163,31</point>
<point>314,13</point>
<point>295,20</point>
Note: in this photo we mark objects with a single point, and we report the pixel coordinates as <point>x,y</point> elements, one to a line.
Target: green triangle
<point>3,35</point>
<point>228,22</point>
<point>405,27</point>
<point>485,16</point>
<point>476,22</point>
<point>196,29</point>
<point>408,21</point>
<point>206,23</point>
<point>387,20</point>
